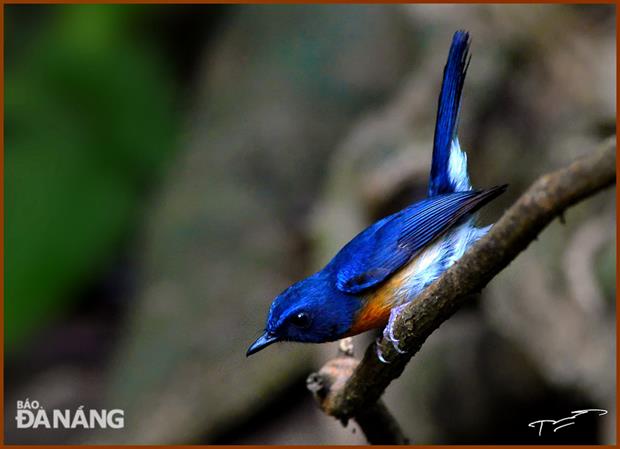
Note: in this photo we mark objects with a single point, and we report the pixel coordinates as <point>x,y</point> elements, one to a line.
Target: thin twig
<point>548,198</point>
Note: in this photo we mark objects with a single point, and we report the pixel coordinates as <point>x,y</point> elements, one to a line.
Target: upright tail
<point>449,166</point>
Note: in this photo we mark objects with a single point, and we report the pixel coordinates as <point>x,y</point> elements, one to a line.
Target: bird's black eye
<point>301,320</point>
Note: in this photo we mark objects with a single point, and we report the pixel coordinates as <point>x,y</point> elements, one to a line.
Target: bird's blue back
<point>381,249</point>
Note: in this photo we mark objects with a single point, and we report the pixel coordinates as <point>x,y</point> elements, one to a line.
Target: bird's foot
<point>388,332</point>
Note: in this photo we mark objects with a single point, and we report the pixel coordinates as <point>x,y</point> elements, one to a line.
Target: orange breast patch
<point>372,315</point>
<point>378,304</point>
<point>376,311</point>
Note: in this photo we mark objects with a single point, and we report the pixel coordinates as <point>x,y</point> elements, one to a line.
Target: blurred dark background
<point>170,169</point>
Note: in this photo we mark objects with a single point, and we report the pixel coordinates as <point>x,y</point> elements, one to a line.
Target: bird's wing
<point>383,248</point>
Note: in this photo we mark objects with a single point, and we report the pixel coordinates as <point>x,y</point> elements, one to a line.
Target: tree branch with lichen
<point>355,391</point>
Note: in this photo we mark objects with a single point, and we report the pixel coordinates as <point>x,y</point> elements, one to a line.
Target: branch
<point>546,199</point>
<point>376,421</point>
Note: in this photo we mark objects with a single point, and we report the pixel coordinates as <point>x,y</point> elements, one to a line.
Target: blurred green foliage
<point>88,124</point>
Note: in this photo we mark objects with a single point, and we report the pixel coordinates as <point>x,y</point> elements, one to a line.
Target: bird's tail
<point>449,166</point>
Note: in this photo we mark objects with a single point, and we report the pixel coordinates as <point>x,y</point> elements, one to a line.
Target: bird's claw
<point>379,352</point>
<point>395,345</point>
<point>389,330</point>
<point>388,334</point>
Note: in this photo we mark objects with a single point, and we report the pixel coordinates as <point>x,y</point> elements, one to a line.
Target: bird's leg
<point>388,332</point>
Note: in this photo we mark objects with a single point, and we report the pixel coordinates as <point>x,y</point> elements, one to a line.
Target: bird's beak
<point>261,342</point>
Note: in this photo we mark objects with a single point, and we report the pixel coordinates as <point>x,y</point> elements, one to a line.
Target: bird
<point>387,265</point>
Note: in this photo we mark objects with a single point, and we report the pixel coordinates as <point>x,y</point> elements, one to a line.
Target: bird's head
<point>310,311</point>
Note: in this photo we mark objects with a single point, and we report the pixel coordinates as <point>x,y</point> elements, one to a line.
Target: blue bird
<point>370,280</point>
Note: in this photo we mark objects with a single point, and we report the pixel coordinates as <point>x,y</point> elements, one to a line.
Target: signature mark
<point>558,424</point>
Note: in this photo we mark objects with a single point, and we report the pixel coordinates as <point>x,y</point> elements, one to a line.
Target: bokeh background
<point>170,169</point>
